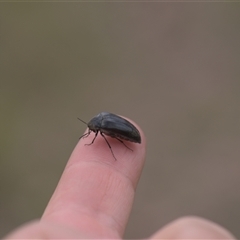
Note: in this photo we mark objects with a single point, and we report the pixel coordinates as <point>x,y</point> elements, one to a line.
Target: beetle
<point>112,125</point>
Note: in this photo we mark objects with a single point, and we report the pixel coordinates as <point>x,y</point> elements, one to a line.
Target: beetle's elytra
<point>114,126</point>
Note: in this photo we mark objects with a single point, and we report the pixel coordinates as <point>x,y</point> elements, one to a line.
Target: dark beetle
<point>113,126</point>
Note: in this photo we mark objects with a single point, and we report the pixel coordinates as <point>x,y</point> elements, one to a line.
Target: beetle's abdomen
<point>115,126</point>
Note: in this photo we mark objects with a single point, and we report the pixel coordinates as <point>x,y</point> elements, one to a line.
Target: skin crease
<point>94,198</point>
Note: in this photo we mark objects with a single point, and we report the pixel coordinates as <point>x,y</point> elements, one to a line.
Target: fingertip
<point>123,156</point>
<point>192,227</point>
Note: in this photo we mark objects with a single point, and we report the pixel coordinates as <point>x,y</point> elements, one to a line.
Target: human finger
<point>192,228</point>
<point>95,193</point>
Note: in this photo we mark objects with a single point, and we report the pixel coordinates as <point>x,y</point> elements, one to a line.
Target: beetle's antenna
<point>82,121</point>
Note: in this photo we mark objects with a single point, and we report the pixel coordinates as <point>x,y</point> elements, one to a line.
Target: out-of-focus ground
<point>171,67</point>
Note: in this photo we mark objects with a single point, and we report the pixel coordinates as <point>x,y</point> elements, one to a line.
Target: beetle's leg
<point>85,135</point>
<point>93,139</point>
<point>108,145</point>
<point>123,143</point>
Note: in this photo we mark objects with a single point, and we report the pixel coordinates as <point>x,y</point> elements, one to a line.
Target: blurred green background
<point>171,67</point>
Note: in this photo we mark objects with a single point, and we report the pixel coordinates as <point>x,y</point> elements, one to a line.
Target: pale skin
<point>95,194</point>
